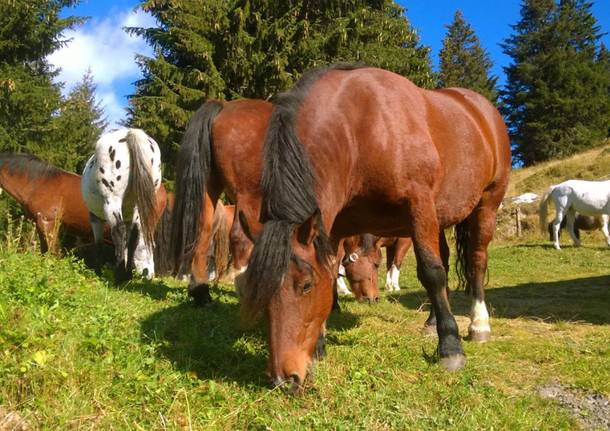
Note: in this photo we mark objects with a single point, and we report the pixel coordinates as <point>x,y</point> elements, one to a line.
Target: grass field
<point>77,352</point>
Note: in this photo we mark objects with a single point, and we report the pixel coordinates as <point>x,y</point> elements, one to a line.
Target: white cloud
<point>104,47</point>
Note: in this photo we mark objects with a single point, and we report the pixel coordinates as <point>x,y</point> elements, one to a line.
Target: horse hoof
<point>479,336</point>
<point>453,362</point>
<point>429,331</point>
<point>201,295</point>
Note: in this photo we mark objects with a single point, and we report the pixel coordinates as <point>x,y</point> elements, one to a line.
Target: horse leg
<point>571,217</point>
<point>141,254</point>
<point>605,219</point>
<point>431,273</point>
<point>430,324</point>
<point>561,204</point>
<point>46,233</point>
<point>402,247</point>
<point>118,232</point>
<point>481,225</point>
<point>199,288</point>
<point>390,252</point>
<point>42,237</point>
<point>97,226</point>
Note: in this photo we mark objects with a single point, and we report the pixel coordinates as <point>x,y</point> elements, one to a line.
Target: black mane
<point>28,164</point>
<point>288,195</point>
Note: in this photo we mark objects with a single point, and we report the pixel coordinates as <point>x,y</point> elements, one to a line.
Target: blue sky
<point>102,46</point>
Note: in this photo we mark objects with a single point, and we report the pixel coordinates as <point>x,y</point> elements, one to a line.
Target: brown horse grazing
<point>360,257</point>
<point>221,151</point>
<point>48,195</point>
<point>355,149</point>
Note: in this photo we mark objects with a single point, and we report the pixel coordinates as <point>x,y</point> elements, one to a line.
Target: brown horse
<point>360,257</point>
<point>233,132</point>
<point>48,196</point>
<point>355,149</point>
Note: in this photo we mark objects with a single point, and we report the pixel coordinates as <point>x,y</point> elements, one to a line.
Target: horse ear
<point>251,233</point>
<point>309,229</point>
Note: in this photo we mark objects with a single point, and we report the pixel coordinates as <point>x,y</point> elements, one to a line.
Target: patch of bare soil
<point>12,421</point>
<point>591,410</point>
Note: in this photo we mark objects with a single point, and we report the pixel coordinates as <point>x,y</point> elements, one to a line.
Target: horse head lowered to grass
<point>352,150</point>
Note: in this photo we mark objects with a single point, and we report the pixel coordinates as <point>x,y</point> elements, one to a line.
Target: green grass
<point>77,352</point>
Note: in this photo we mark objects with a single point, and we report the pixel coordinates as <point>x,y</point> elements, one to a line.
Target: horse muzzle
<point>291,385</point>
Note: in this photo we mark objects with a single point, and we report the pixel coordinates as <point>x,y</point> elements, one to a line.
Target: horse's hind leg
<point>480,226</point>
<point>432,274</point>
<point>97,226</point>
<point>118,232</point>
<point>390,252</point>
<point>143,260</point>
<point>570,218</point>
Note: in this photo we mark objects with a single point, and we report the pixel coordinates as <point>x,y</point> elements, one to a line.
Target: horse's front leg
<point>431,273</point>
<point>605,220</point>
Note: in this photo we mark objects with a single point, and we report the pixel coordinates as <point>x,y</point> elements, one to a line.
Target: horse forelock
<point>29,165</point>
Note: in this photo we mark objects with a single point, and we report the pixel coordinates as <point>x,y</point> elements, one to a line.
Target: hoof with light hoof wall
<point>479,336</point>
<point>453,362</point>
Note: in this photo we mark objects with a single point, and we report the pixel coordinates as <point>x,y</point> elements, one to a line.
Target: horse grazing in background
<point>119,186</point>
<point>351,150</point>
<point>360,257</point>
<point>588,198</point>
<point>581,222</point>
<point>49,196</point>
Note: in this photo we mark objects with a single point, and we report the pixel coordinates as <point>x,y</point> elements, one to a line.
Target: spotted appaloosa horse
<point>589,198</point>
<point>353,150</point>
<point>119,185</point>
<point>47,194</point>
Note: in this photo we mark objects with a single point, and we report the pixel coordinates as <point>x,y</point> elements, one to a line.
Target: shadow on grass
<point>209,342</point>
<point>580,299</point>
<point>213,343</point>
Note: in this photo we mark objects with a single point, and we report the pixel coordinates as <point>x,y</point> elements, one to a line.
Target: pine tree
<point>556,99</point>
<point>257,48</point>
<point>79,124</point>
<point>28,96</point>
<point>463,62</point>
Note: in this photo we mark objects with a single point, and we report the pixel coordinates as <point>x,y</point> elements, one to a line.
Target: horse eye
<point>307,287</point>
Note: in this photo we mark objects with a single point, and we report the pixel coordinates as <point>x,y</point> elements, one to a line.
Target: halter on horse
<point>119,185</point>
<point>589,198</point>
<point>353,150</point>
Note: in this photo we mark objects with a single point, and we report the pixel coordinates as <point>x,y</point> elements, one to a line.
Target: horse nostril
<point>292,384</point>
<point>376,299</point>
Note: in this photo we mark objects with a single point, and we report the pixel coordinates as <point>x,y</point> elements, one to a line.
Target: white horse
<point>119,186</point>
<point>576,196</point>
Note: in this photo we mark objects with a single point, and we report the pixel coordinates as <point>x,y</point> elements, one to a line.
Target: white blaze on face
<point>479,317</point>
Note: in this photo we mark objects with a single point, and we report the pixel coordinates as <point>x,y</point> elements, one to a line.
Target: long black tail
<point>463,264</point>
<point>192,171</point>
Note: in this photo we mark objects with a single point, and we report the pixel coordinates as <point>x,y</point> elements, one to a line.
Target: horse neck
<point>18,186</point>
